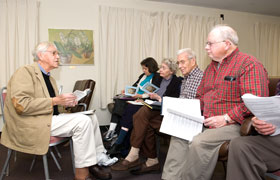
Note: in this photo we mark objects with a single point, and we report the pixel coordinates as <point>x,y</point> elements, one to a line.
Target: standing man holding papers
<point>230,75</point>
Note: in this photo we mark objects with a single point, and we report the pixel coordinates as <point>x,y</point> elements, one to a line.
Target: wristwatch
<point>226,118</point>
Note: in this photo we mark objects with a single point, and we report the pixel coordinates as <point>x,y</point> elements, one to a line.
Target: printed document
<point>80,94</point>
<point>264,108</point>
<point>182,117</point>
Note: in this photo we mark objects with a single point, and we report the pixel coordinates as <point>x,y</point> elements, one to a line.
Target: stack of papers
<point>182,117</point>
<point>264,108</point>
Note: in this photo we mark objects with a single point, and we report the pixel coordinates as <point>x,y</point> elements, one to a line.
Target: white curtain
<point>189,31</point>
<point>267,37</point>
<point>18,35</point>
<point>127,36</point>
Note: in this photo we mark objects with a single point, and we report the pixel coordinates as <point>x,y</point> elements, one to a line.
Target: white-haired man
<point>32,116</point>
<point>230,75</point>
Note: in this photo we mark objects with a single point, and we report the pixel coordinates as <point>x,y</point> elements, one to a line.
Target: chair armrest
<point>84,105</point>
<point>223,151</point>
<point>247,128</point>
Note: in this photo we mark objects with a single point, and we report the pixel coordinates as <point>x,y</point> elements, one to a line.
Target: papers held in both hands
<point>264,108</point>
<point>182,117</point>
<point>80,94</point>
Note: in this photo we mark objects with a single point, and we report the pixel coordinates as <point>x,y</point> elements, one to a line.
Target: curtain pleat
<point>267,37</point>
<point>18,35</point>
<point>127,36</point>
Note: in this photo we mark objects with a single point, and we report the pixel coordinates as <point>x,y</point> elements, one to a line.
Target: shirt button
<point>49,125</point>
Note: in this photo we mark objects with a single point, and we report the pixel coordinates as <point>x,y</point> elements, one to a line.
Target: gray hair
<point>172,65</point>
<point>189,51</point>
<point>41,47</point>
<point>226,33</point>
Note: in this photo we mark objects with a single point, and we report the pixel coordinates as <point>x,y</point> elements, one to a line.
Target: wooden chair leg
<point>225,167</point>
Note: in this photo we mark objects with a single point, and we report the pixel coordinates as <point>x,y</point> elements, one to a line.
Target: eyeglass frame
<point>210,43</point>
<point>53,52</point>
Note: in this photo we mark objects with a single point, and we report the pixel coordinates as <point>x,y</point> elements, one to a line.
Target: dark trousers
<point>146,123</point>
<point>127,117</point>
<point>250,157</point>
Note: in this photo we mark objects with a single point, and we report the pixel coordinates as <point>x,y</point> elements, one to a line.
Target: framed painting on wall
<point>75,47</point>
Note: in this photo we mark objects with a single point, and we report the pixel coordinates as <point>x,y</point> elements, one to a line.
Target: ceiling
<point>265,7</point>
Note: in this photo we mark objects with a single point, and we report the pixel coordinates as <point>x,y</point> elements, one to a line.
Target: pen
<point>60,89</point>
<point>147,105</point>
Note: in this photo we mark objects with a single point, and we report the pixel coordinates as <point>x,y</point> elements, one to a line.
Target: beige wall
<point>83,14</point>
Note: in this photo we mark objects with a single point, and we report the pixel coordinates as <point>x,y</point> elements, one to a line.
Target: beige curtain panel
<point>18,35</point>
<point>267,37</point>
<point>127,36</point>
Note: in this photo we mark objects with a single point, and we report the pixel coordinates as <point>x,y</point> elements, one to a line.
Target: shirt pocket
<point>229,91</point>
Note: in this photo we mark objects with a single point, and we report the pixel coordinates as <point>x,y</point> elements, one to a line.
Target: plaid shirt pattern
<point>219,95</point>
<point>190,84</point>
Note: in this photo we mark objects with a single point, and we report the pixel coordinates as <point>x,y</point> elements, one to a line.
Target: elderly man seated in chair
<point>32,116</point>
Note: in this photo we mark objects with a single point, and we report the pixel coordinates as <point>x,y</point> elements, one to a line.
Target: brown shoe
<point>124,165</point>
<point>99,172</point>
<point>87,178</point>
<point>144,169</point>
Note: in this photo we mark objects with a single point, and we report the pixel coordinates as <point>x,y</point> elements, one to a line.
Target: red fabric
<point>55,139</point>
<point>219,96</point>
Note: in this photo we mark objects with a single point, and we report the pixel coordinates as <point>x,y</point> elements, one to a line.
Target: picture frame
<point>75,47</point>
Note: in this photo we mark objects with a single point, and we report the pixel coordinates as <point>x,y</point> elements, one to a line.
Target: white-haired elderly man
<point>230,75</point>
<point>32,116</point>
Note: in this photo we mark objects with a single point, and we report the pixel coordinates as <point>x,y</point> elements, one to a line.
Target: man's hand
<point>263,127</point>
<point>215,121</point>
<point>67,100</point>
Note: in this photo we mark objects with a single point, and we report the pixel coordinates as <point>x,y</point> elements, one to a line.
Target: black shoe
<point>115,149</point>
<point>99,172</point>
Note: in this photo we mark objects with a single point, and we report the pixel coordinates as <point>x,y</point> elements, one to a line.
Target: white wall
<point>83,14</point>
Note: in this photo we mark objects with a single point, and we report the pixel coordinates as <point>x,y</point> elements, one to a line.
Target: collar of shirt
<point>43,70</point>
<point>226,59</point>
<point>193,72</point>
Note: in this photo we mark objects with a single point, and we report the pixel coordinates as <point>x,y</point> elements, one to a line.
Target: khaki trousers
<point>197,160</point>
<point>85,134</point>
<point>250,157</point>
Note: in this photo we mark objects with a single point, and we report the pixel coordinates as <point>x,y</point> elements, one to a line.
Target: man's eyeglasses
<point>54,53</point>
<point>211,43</point>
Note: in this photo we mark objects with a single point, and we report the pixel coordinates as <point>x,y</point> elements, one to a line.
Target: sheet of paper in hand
<point>149,88</point>
<point>80,94</point>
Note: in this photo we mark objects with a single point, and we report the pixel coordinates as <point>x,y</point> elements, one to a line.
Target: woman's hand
<point>155,96</point>
<point>137,96</point>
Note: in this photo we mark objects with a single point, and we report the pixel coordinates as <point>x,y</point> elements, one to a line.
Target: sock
<point>133,154</point>
<point>112,126</point>
<point>151,161</point>
<point>121,137</point>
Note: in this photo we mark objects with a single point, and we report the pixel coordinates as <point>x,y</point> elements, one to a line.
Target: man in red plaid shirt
<point>230,75</point>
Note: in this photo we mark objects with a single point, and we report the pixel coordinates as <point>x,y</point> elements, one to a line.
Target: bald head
<point>225,33</point>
